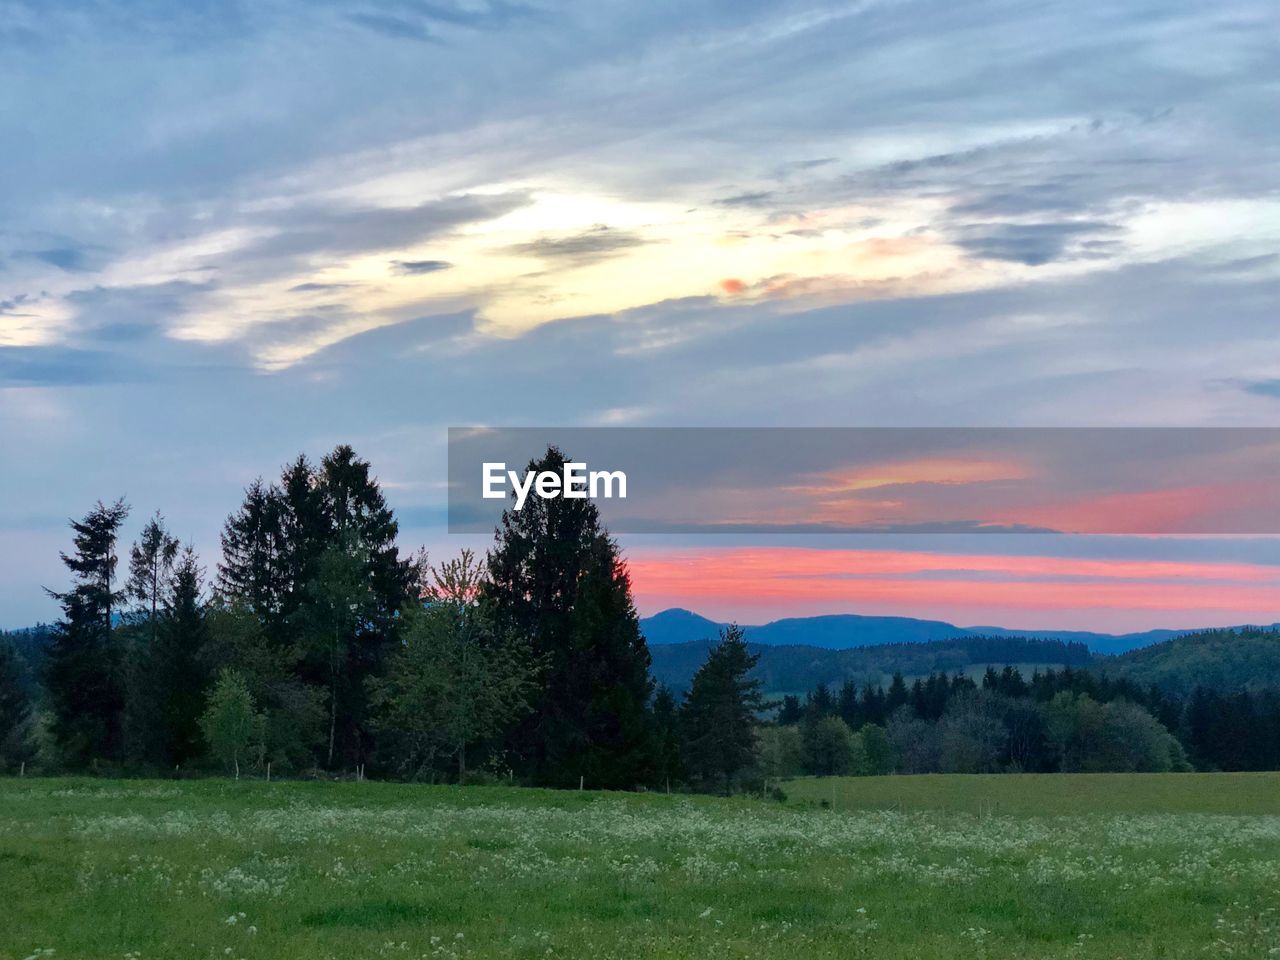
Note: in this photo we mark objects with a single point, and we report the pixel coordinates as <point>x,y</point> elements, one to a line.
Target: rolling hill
<point>849,630</point>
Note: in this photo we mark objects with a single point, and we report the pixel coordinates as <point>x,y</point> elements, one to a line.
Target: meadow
<point>1058,866</point>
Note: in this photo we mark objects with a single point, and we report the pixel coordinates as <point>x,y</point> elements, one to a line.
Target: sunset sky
<point>233,232</point>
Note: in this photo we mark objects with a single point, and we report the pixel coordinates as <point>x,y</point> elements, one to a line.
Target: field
<point>1061,866</point>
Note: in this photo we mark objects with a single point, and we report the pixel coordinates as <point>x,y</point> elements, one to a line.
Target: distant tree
<point>17,744</point>
<point>457,682</point>
<point>973,734</point>
<point>876,754</point>
<point>557,582</point>
<point>897,695</point>
<point>85,670</point>
<point>828,747</point>
<point>150,562</point>
<point>791,711</point>
<point>231,725</point>
<point>721,713</point>
<point>668,762</point>
<point>781,752</point>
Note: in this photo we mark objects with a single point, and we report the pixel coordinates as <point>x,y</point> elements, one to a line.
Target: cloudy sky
<point>231,232</point>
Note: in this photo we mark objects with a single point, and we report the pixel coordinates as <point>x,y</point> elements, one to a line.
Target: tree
<point>456,682</point>
<point>336,607</point>
<point>721,713</point>
<point>230,723</point>
<point>668,762</point>
<point>781,752</point>
<point>557,582</point>
<point>169,675</point>
<point>876,753</point>
<point>293,712</point>
<point>150,561</point>
<point>828,746</point>
<point>16,741</point>
<point>84,671</point>
<point>251,571</point>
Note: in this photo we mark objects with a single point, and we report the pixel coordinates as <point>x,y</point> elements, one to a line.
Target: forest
<point>315,648</point>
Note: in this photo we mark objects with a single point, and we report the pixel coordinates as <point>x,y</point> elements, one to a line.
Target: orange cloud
<point>733,286</point>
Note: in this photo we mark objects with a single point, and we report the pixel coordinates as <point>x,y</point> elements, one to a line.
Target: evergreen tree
<point>16,739</point>
<point>251,571</point>
<point>556,580</point>
<point>668,762</point>
<point>897,695</point>
<point>169,676</point>
<point>150,562</point>
<point>720,713</point>
<point>85,670</point>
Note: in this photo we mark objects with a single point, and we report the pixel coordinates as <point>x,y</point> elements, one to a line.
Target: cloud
<point>590,246</point>
<point>1034,244</point>
<point>418,267</point>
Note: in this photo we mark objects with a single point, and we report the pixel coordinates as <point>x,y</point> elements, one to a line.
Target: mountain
<point>848,631</point>
<point>797,668</point>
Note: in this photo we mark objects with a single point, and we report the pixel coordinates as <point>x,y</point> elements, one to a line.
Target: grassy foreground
<point>285,871</point>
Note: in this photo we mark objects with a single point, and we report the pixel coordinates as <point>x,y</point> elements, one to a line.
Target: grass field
<point>1137,867</point>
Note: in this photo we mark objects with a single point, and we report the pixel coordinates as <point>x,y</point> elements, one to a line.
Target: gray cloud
<point>590,246</point>
<point>416,267</point>
<point>1034,244</point>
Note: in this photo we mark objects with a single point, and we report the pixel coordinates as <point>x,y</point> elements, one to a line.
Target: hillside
<point>848,630</point>
<point>794,668</point>
<point>1225,660</point>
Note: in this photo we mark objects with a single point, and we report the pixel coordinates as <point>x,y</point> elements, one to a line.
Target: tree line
<point>1057,720</point>
<point>316,647</point>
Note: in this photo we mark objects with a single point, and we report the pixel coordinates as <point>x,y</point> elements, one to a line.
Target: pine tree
<point>85,670</point>
<point>556,580</point>
<point>251,571</point>
<point>668,761</point>
<point>720,714</point>
<point>150,562</point>
<point>167,683</point>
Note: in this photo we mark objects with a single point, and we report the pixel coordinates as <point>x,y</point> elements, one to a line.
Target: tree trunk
<point>462,762</point>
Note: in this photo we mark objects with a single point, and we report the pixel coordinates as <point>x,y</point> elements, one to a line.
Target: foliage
<point>231,725</point>
<point>457,682</point>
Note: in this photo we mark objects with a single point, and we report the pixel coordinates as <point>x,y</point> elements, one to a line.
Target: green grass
<point>926,867</point>
<point>1049,794</point>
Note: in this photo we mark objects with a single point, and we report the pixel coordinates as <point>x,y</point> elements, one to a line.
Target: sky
<point>233,232</point>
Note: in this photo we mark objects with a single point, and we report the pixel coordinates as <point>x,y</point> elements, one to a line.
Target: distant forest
<point>315,648</point>
<point>1140,712</point>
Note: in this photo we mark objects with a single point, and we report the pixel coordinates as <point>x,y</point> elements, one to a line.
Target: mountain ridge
<point>847,631</point>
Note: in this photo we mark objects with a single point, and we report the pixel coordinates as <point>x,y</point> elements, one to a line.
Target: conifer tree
<point>721,713</point>
<point>150,562</point>
<point>85,670</point>
<point>167,683</point>
<point>557,581</point>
